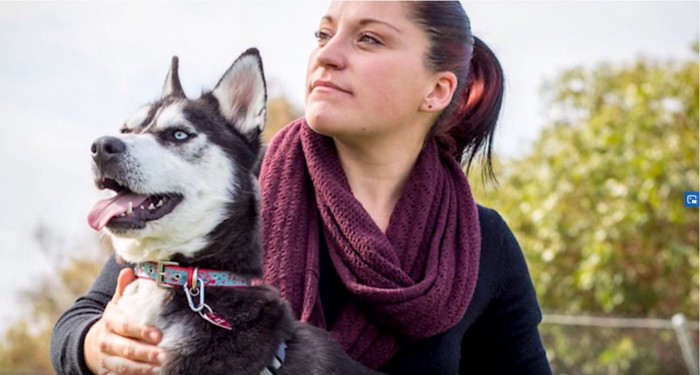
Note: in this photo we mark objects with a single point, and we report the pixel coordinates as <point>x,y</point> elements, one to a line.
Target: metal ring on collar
<point>193,280</point>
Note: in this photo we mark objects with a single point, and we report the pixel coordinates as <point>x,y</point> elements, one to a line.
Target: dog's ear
<point>242,94</point>
<point>172,86</point>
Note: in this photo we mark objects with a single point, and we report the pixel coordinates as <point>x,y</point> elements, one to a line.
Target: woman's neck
<point>377,175</point>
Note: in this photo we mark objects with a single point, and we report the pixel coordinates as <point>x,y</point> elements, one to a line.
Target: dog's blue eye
<point>180,135</point>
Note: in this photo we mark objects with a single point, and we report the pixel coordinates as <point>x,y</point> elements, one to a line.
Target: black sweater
<point>498,334</point>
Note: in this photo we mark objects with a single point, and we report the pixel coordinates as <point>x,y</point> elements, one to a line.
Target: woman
<point>371,230</point>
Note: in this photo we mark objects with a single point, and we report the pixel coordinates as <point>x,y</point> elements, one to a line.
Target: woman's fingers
<point>128,347</point>
<point>119,323</point>
<point>117,344</point>
<point>122,366</point>
<point>114,344</point>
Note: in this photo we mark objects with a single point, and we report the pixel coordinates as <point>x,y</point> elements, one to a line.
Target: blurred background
<point>598,142</point>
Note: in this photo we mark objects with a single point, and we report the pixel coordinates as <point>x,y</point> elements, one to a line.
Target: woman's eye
<point>322,36</point>
<point>368,39</point>
<point>180,135</point>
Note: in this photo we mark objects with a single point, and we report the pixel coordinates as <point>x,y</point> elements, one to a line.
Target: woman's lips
<point>323,85</point>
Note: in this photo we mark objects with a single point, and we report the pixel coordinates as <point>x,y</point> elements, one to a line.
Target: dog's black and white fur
<point>189,167</point>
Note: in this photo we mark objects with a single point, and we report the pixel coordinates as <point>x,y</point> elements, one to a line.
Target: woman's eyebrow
<point>367,21</point>
<point>362,22</point>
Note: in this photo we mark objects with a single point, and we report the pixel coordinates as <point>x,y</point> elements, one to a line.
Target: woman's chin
<point>321,120</point>
<point>319,126</point>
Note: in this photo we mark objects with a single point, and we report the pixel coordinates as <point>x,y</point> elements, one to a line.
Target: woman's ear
<point>440,94</point>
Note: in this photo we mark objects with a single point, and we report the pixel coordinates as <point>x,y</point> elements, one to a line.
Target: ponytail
<point>467,126</point>
<point>470,127</point>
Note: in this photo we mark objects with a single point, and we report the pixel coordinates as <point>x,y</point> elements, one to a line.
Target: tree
<point>598,203</point>
<point>25,347</point>
<point>279,113</point>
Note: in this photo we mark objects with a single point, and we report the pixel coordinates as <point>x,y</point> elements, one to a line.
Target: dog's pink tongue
<point>103,211</point>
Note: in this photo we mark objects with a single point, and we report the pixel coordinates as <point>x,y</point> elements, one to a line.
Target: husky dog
<point>186,215</point>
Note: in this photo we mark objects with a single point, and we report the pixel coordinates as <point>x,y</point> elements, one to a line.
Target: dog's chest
<point>143,299</point>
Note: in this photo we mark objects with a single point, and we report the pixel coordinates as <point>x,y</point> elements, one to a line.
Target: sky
<point>73,71</point>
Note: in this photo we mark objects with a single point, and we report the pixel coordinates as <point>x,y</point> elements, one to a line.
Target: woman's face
<point>367,77</point>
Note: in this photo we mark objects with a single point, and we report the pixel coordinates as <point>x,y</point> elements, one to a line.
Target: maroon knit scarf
<point>413,282</point>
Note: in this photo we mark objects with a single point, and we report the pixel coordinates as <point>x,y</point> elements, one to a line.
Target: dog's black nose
<point>106,148</point>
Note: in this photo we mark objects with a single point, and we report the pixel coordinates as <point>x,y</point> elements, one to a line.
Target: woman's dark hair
<point>467,125</point>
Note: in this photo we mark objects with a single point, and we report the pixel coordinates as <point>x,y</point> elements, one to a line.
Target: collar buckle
<point>160,273</point>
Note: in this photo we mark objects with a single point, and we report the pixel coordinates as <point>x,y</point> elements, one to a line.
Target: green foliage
<point>280,112</point>
<point>597,205</point>
<point>580,350</point>
<point>25,345</point>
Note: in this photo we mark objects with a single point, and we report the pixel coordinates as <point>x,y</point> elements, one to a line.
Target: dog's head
<point>182,169</point>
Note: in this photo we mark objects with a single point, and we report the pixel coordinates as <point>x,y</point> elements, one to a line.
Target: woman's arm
<point>505,338</point>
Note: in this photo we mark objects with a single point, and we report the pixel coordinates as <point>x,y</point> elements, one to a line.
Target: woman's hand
<point>117,345</point>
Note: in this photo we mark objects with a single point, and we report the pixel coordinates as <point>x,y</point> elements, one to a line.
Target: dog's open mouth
<point>128,210</point>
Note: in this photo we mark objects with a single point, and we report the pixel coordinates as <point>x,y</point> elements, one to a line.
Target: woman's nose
<point>333,53</point>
